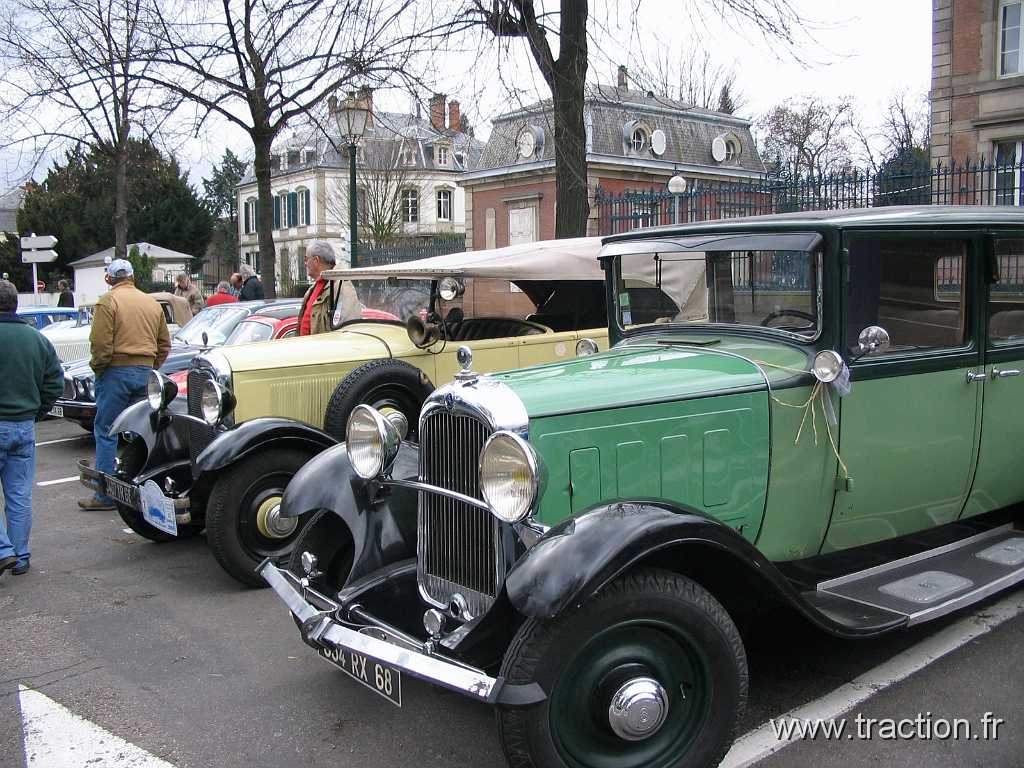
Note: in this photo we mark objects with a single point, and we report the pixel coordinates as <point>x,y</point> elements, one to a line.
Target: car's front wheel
<point>134,520</point>
<point>243,521</point>
<point>649,673</point>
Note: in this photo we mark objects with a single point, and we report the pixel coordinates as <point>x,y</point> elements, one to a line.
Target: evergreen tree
<point>219,193</point>
<point>725,102</point>
<point>76,203</point>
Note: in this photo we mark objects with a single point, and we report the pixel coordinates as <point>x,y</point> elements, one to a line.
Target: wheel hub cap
<point>638,709</point>
<point>269,520</point>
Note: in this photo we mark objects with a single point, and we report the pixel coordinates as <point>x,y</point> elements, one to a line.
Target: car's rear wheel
<point>243,521</point>
<point>649,673</point>
<point>387,385</point>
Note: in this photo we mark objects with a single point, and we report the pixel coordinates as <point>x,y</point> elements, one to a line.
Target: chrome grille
<point>199,436</point>
<point>69,388</point>
<point>458,544</point>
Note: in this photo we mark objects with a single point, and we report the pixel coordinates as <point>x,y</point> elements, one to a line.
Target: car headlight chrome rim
<point>509,476</point>
<point>212,401</point>
<point>372,441</point>
<point>160,390</point>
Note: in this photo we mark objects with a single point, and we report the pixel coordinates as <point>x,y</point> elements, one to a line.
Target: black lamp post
<point>351,118</point>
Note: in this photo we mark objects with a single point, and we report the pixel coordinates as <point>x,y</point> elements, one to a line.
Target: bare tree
<point>693,77</point>
<point>808,136</point>
<point>76,73</point>
<point>901,137</point>
<point>261,63</point>
<point>545,29</point>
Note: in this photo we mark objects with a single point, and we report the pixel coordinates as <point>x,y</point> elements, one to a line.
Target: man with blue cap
<point>129,338</point>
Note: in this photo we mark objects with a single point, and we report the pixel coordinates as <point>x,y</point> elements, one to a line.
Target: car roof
<point>278,310</point>
<point>946,216</point>
<point>568,259</point>
<point>47,311</point>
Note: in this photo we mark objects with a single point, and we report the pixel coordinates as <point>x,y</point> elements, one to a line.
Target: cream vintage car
<point>256,414</point>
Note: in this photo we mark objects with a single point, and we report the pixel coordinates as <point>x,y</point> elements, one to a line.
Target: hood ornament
<point>464,357</point>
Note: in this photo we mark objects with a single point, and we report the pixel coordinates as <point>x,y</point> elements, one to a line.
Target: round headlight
<point>212,401</point>
<point>509,476</point>
<point>154,391</point>
<point>827,366</point>
<point>585,347</point>
<point>372,441</point>
<point>449,288</point>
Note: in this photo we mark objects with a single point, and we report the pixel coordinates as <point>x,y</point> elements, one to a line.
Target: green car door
<point>999,480</point>
<point>908,431</point>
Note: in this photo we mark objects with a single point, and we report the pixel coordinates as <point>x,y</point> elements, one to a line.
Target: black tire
<point>243,494</point>
<point>134,520</point>
<point>384,384</point>
<point>647,623</point>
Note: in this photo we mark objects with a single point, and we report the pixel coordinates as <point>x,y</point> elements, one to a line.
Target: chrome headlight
<point>159,390</point>
<point>215,402</point>
<point>509,476</point>
<point>372,440</point>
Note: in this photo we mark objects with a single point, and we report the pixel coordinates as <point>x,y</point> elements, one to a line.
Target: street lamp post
<point>351,118</point>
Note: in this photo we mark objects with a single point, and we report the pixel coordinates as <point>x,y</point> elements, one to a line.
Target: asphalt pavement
<point>157,645</point>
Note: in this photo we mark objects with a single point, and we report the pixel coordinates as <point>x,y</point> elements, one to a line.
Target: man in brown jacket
<point>129,338</point>
<point>191,292</point>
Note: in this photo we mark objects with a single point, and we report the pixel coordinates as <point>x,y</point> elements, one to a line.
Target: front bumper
<point>322,628</point>
<point>83,413</point>
<point>127,492</point>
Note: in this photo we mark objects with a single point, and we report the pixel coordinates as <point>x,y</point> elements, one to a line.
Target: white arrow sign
<point>38,257</point>
<point>38,241</point>
<point>54,736</point>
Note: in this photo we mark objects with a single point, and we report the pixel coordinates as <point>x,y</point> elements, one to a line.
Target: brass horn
<point>423,333</point>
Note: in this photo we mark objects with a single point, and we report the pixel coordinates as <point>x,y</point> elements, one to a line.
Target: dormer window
<point>639,140</point>
<point>408,153</point>
<point>726,148</point>
<point>441,156</point>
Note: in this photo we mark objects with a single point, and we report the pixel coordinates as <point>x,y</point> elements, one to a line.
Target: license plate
<point>57,411</point>
<point>126,493</point>
<point>379,678</point>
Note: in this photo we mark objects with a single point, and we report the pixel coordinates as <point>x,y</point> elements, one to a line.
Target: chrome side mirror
<point>874,338</point>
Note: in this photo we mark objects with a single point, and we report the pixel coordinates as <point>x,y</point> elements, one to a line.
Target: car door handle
<point>973,376</point>
<point>1005,374</point>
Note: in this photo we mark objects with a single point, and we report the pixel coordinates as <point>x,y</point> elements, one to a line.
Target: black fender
<point>576,558</point>
<point>249,436</point>
<point>382,520</point>
<point>165,437</point>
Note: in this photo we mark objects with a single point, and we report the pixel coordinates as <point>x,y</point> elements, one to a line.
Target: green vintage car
<point>822,424</point>
<point>250,416</point>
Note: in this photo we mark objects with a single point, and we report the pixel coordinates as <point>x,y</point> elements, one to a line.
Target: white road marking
<point>55,737</point>
<point>62,440</point>
<point>57,481</point>
<point>762,742</point>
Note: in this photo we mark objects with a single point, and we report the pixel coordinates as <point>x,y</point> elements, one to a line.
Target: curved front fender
<point>228,447</point>
<point>165,436</point>
<point>382,522</point>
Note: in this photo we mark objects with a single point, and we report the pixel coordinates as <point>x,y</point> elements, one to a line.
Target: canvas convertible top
<point>569,259</point>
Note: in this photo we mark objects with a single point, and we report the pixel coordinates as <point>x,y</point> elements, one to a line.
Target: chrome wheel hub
<point>271,524</point>
<point>638,709</point>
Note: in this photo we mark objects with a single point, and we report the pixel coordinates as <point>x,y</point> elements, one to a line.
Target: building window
<point>361,203</point>
<point>281,210</point>
<point>732,149</point>
<point>638,139</point>
<point>1009,38</point>
<point>441,156</point>
<point>409,153</point>
<point>249,218</point>
<point>1009,157</point>
<point>444,205</point>
<point>252,258</point>
<point>303,212</point>
<point>410,206</point>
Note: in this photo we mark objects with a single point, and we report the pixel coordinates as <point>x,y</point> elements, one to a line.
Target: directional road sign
<point>38,241</point>
<point>38,257</point>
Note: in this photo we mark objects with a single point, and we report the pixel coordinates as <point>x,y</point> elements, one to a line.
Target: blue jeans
<point>116,389</point>
<point>17,471</point>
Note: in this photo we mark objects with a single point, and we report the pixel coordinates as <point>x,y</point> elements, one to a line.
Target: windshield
<point>389,299</point>
<point>249,331</point>
<point>217,322</point>
<point>765,288</point>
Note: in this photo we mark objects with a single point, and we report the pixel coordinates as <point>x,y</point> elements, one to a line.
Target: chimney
<point>437,111</point>
<point>454,116</point>
<point>365,97</point>
<point>623,77</point>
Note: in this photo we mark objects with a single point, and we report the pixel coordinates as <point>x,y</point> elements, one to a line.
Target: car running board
<point>933,583</point>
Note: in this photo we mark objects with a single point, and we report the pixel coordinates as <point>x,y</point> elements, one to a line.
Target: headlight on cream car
<point>373,440</point>
<point>215,402</point>
<point>509,476</point>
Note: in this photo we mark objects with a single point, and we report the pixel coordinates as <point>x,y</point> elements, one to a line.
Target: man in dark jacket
<point>66,298</point>
<point>252,288</point>
<point>32,381</point>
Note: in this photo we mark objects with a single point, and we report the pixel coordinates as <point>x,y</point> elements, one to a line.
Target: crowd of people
<point>128,339</point>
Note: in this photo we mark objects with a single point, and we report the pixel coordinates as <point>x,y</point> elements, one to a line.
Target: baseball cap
<point>119,268</point>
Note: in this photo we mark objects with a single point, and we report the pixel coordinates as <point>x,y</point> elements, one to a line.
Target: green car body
<point>831,434</point>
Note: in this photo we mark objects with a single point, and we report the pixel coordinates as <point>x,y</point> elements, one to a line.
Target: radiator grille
<point>69,388</point>
<point>458,544</point>
<point>199,436</point>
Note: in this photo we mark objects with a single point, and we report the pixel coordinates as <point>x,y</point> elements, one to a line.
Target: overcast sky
<point>866,50</point>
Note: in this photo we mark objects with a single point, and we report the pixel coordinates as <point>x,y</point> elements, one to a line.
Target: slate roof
<point>689,130</point>
<point>381,139</point>
<point>156,252</point>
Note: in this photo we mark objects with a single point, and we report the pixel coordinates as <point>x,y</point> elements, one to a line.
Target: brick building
<point>977,92</point>
<point>635,140</point>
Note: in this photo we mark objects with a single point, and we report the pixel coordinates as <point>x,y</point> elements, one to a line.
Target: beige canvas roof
<point>180,310</point>
<point>569,259</point>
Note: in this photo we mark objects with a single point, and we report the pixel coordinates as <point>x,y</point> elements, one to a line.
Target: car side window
<point>1006,293</point>
<point>913,288</point>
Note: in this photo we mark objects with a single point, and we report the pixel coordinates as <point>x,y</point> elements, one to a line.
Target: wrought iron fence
<point>973,183</point>
<point>418,248</point>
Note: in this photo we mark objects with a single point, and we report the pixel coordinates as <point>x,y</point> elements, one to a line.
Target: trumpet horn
<point>422,333</point>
